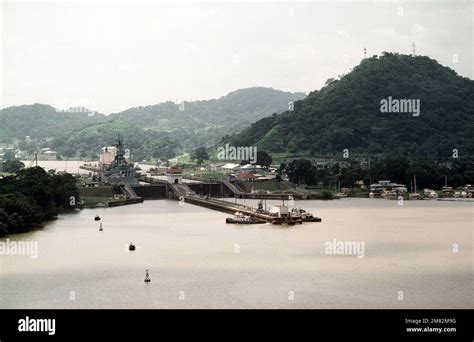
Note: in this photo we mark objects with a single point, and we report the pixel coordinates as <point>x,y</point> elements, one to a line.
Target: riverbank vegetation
<point>429,173</point>
<point>32,196</point>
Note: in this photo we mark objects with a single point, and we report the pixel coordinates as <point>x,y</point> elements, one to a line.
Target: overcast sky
<point>110,56</point>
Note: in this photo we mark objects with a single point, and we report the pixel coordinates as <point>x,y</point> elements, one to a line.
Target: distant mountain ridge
<point>43,121</point>
<point>204,122</point>
<point>165,129</point>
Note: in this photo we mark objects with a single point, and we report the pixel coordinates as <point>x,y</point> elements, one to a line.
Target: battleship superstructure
<point>119,170</point>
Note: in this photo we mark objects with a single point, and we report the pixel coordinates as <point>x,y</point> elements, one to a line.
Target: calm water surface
<point>73,166</point>
<point>196,260</point>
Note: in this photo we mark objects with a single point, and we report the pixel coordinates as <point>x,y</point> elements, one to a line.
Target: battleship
<point>119,170</point>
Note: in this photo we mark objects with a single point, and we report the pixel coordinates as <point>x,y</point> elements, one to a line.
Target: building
<point>326,161</point>
<point>230,167</point>
<point>7,150</point>
<point>247,176</point>
<point>359,184</point>
<point>386,185</point>
<point>250,168</point>
<point>47,154</point>
<point>216,166</point>
<point>174,175</point>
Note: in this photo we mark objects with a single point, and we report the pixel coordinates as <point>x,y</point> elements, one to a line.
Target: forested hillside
<point>346,113</point>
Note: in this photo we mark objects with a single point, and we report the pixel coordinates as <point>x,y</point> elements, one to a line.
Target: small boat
<point>341,195</point>
<point>97,218</point>
<point>131,247</point>
<point>430,194</point>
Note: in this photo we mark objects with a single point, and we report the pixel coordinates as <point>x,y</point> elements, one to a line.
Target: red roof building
<point>174,171</point>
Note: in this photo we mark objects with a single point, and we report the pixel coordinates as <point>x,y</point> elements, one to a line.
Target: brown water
<point>73,166</point>
<point>191,252</point>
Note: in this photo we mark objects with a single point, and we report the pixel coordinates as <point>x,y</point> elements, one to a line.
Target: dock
<point>184,192</point>
<point>90,168</point>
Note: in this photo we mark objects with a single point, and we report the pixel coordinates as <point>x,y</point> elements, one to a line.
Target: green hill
<point>159,131</point>
<point>346,113</point>
<point>41,121</point>
<point>143,144</point>
<point>203,123</point>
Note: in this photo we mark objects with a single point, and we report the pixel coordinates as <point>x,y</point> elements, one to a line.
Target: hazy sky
<point>112,55</point>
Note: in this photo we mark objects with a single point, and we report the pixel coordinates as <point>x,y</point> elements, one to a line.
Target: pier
<point>90,168</point>
<point>185,193</point>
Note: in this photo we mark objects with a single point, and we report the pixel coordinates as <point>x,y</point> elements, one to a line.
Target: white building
<point>216,166</point>
<point>174,175</point>
<point>230,168</point>
<point>250,168</point>
<point>384,185</point>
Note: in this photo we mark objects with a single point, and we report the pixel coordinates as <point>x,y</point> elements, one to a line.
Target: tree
<point>264,159</point>
<point>346,114</point>
<point>301,171</point>
<point>9,155</point>
<point>349,175</point>
<point>32,195</point>
<point>281,169</point>
<point>199,155</point>
<point>69,152</point>
<point>11,166</point>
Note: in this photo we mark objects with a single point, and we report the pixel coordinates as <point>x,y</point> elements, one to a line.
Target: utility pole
<point>413,51</point>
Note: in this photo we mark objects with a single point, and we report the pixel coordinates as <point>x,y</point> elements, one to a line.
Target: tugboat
<point>282,215</point>
<point>304,215</point>
<point>240,218</point>
<point>131,247</point>
<point>147,277</point>
<point>97,218</point>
